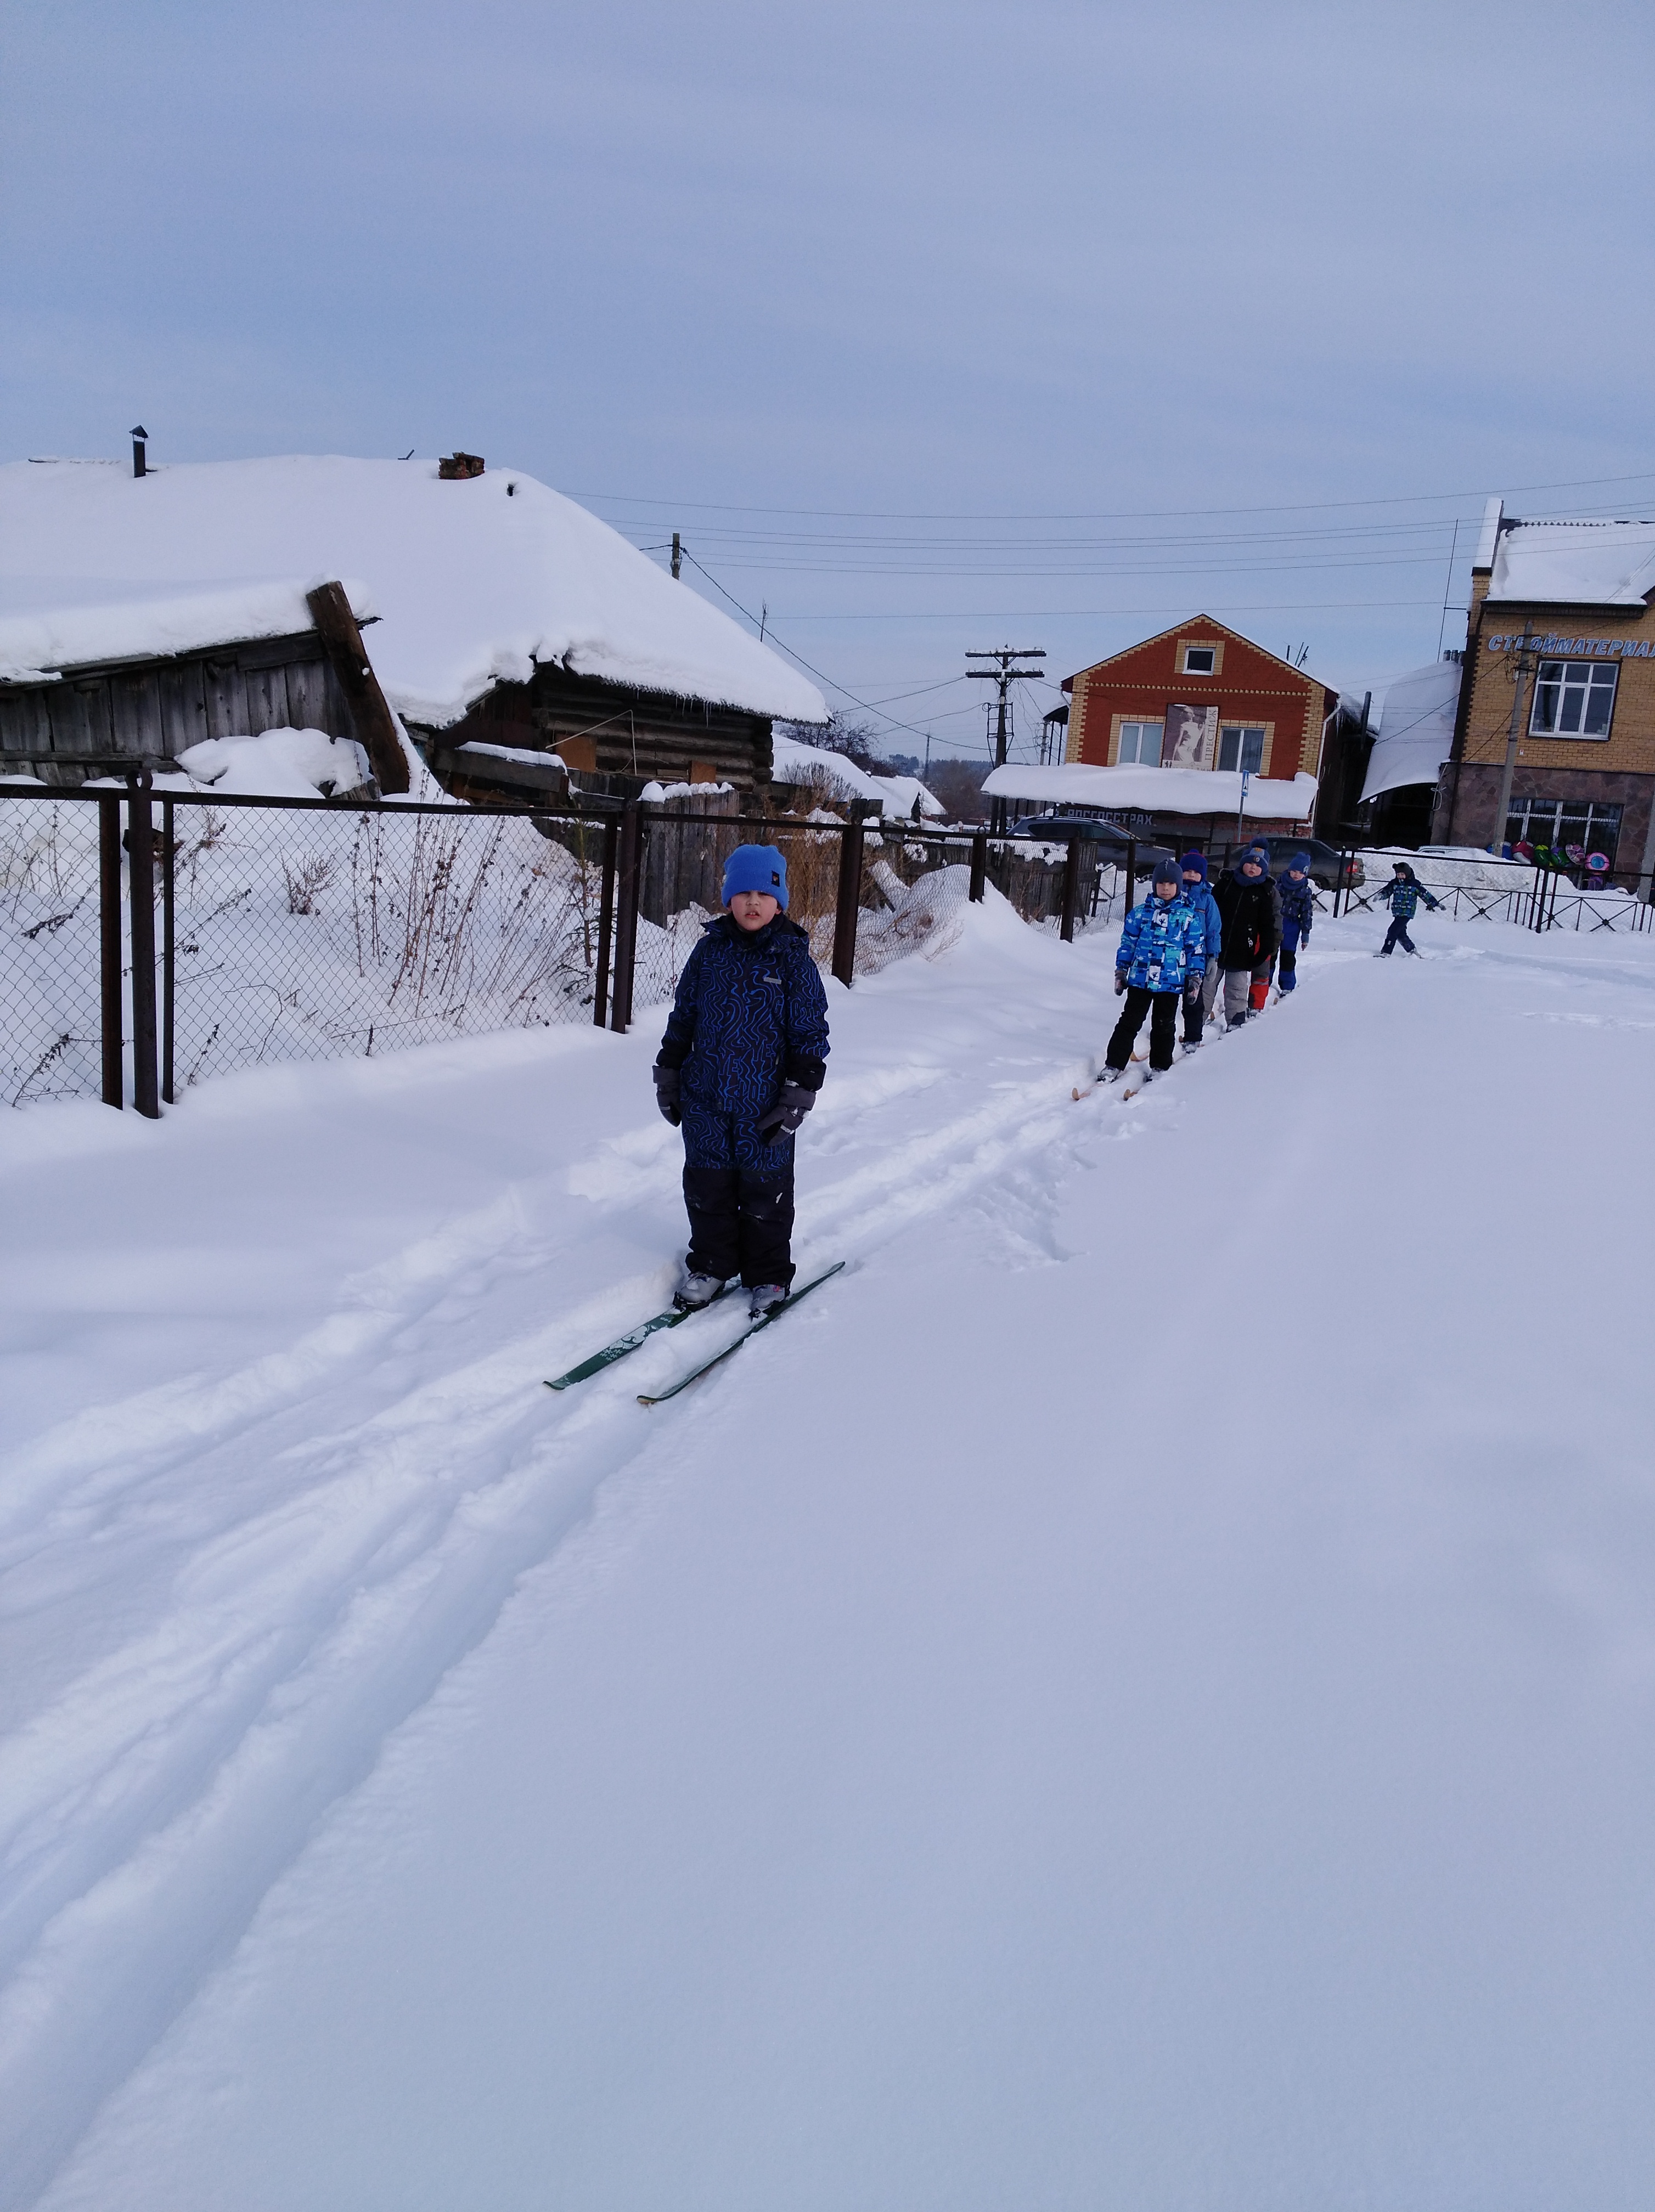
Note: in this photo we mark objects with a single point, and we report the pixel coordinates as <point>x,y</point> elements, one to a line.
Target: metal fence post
<point>109,947</point>
<point>1131,874</point>
<point>606,923</point>
<point>141,908</point>
<point>1071,891</point>
<point>167,934</point>
<point>626,916</point>
<point>850,902</point>
<point>979,866</point>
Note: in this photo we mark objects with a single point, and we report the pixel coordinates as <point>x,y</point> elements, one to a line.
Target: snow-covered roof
<point>1154,790</point>
<point>1415,728</point>
<point>50,623</point>
<point>894,795</point>
<point>1600,564</point>
<point>474,581</point>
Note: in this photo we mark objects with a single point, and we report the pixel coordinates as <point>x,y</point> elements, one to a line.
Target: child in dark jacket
<point>1298,896</point>
<point>1402,896</point>
<point>738,1069</point>
<point>1252,911</point>
<point>1159,962</point>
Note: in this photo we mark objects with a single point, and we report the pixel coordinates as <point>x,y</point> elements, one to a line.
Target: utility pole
<point>1004,672</point>
<point>678,556</point>
<point>1520,667</point>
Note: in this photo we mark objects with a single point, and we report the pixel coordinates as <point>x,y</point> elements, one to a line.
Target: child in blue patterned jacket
<point>1161,960</point>
<point>738,1069</point>
<point>1403,897</point>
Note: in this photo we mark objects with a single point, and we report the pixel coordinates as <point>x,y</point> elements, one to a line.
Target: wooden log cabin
<point>523,644</point>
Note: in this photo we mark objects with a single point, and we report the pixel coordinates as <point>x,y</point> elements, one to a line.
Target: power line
<point>1123,514</point>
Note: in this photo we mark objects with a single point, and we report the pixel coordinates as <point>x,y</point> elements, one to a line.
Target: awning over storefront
<point>1154,790</point>
<point>1416,728</point>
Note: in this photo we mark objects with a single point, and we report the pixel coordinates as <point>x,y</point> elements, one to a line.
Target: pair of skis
<point>623,1346</point>
<point>1133,1079</point>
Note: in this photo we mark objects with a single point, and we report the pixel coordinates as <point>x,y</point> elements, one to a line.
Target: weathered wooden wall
<point>114,711</point>
<point>614,733</point>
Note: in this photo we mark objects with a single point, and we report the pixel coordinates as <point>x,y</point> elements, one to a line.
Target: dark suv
<point>1325,861</point>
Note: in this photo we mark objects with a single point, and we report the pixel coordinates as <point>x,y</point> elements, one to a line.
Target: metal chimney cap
<point>138,431</point>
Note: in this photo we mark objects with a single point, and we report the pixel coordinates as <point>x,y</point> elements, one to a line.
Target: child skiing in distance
<point>738,1069</point>
<point>1251,909</point>
<point>1160,961</point>
<point>1402,896</point>
<point>1298,896</point>
<point>1198,1010</point>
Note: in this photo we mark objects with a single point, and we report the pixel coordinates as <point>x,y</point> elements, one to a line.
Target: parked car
<point>1325,861</point>
<point>1111,840</point>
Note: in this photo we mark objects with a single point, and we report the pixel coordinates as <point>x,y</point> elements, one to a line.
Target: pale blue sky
<point>873,276</point>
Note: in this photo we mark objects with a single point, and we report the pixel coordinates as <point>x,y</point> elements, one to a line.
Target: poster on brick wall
<point>1191,734</point>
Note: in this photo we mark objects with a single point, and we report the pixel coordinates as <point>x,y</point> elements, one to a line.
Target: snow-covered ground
<point>1137,1696</point>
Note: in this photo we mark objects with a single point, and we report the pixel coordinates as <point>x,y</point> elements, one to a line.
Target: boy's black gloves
<point>1192,990</point>
<point>788,1111</point>
<point>1120,980</point>
<point>667,1093</point>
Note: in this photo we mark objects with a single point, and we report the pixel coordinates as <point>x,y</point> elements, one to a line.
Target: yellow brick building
<point>1560,648</point>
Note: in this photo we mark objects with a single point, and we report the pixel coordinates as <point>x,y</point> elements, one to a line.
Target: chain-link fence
<point>306,930</point>
<point>51,1020</point>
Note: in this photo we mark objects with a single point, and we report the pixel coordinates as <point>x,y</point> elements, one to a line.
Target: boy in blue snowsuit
<point>738,1069</point>
<point>1197,894</point>
<point>1403,897</point>
<point>1298,909</point>
<point>1161,960</point>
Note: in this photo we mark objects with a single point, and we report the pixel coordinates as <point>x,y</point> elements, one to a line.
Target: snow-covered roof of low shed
<point>47,624</point>
<point>1599,564</point>
<point>475,582</point>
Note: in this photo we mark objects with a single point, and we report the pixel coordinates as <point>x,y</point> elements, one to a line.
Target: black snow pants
<point>1162,1007</point>
<point>1397,934</point>
<point>740,1224</point>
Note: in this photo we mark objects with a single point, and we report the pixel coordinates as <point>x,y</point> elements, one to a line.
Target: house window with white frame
<point>1141,742</point>
<point>1573,699</point>
<point>1200,660</point>
<point>1240,747</point>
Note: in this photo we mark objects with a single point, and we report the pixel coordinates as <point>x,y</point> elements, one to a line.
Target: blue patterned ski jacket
<point>1297,906</point>
<point>750,1014</point>
<point>1403,899</point>
<point>1162,945</point>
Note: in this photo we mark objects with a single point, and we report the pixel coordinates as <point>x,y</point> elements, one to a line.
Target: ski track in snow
<point>307,1573</point>
<point>192,1761</point>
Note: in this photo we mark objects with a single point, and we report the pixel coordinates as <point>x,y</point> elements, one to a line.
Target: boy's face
<point>752,909</point>
<point>1251,868</point>
<point>1298,874</point>
<point>1190,876</point>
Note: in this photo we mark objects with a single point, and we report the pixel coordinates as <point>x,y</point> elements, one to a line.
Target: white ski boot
<point>695,1291</point>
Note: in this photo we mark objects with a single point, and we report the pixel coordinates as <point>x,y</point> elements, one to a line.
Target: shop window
<point>1573,699</point>
<point>1239,748</point>
<point>1140,742</point>
<point>1200,660</point>
<point>1563,824</point>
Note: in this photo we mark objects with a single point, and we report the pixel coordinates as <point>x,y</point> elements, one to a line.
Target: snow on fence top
<point>474,581</point>
<point>1154,790</point>
<point>1603,565</point>
<point>1416,728</point>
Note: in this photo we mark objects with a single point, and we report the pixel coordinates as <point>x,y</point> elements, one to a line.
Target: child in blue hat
<point>738,1069</point>
<point>1298,896</point>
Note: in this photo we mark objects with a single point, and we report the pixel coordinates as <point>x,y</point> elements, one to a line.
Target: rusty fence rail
<point>150,938</point>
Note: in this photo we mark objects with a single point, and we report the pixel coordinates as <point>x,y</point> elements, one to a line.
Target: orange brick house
<point>1199,696</point>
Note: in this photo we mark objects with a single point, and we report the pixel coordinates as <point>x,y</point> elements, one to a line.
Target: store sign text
<point>1581,648</point>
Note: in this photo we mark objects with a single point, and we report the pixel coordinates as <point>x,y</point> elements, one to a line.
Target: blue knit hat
<point>1194,864</point>
<point>1257,853</point>
<point>1300,864</point>
<point>757,868</point>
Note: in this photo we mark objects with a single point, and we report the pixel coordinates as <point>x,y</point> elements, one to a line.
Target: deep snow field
<point>1136,1697</point>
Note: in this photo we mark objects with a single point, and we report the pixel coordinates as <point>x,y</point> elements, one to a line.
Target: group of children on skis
<point>1187,937</point>
<point>746,1043</point>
